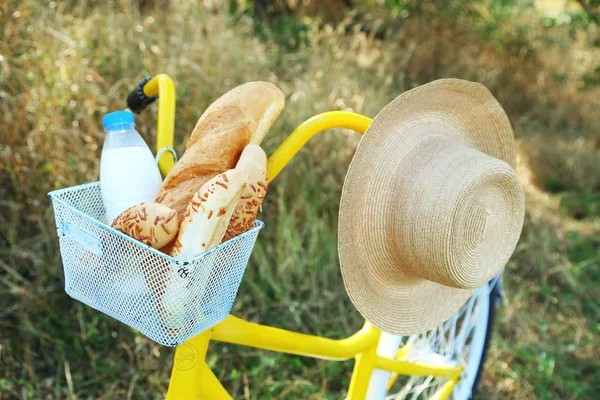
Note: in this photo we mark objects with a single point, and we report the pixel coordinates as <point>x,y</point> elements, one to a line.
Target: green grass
<point>64,67</point>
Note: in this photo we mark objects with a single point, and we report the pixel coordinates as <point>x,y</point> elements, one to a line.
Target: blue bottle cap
<point>118,117</point>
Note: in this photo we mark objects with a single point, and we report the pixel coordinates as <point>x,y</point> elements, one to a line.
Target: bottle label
<point>87,240</point>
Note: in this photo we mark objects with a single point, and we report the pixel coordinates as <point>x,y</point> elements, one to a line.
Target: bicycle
<point>443,362</point>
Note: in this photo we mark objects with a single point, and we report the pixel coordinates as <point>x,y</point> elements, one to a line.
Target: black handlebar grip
<point>137,101</point>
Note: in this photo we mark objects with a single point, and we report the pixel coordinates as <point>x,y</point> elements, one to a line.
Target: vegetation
<point>65,64</point>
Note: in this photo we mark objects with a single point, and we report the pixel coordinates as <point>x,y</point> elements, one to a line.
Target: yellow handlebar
<point>162,85</point>
<point>309,128</point>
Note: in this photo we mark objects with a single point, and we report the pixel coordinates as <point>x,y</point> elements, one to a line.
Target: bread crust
<point>151,223</point>
<point>253,164</point>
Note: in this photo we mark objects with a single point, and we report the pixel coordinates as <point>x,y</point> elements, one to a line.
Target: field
<point>65,64</point>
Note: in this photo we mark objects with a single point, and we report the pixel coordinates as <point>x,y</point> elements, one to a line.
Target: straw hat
<point>431,207</point>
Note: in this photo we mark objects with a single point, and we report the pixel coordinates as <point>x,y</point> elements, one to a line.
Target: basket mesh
<point>169,301</point>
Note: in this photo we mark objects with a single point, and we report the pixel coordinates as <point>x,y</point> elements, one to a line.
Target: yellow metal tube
<point>363,368</point>
<point>202,385</point>
<point>237,331</point>
<point>191,378</point>
<point>402,352</point>
<point>414,368</point>
<point>445,391</point>
<point>308,129</point>
<point>162,85</point>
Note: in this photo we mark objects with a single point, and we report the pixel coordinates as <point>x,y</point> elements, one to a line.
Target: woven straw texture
<point>169,301</point>
<point>431,207</point>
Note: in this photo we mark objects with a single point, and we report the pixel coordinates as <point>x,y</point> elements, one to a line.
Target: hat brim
<point>466,111</point>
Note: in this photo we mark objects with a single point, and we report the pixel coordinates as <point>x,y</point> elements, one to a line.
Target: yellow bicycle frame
<point>191,377</point>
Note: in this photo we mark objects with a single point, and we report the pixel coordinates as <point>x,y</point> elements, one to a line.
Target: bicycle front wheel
<point>463,339</point>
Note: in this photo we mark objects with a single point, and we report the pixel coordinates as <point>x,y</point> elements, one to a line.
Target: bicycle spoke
<point>406,388</point>
<point>452,336</point>
<point>467,318</point>
<point>451,342</point>
<point>421,388</point>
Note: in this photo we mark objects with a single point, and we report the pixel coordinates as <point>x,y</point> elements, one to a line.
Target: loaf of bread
<point>241,116</point>
<point>253,164</point>
<point>207,215</point>
<point>151,223</point>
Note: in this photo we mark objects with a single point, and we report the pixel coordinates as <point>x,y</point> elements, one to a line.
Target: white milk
<point>128,176</point>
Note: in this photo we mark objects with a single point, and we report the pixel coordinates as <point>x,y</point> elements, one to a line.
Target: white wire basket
<point>168,300</point>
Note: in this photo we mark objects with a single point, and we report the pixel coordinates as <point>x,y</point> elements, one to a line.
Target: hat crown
<point>456,207</point>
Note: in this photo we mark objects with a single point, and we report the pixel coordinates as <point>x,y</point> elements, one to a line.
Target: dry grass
<point>63,67</point>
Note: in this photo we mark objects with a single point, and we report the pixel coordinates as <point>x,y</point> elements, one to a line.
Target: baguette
<point>239,117</point>
<point>253,163</point>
